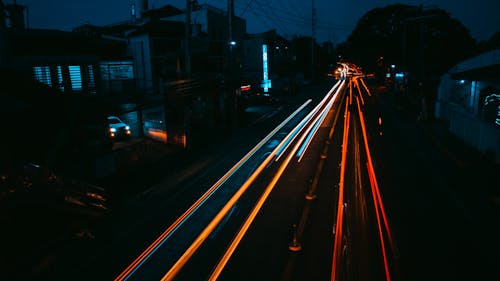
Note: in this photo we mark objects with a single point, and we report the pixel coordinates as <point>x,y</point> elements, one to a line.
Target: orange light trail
<point>381,235</point>
<point>157,134</point>
<point>376,196</point>
<point>350,92</point>
<point>338,227</point>
<point>125,274</point>
<point>251,217</point>
<point>379,198</point>
<point>366,88</point>
<point>234,244</point>
<point>175,269</point>
<point>359,91</point>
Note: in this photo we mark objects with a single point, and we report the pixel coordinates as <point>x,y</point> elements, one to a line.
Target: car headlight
<point>127,128</point>
<point>112,130</point>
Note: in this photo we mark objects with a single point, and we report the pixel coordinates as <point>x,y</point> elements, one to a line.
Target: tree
<point>423,41</point>
<point>491,44</point>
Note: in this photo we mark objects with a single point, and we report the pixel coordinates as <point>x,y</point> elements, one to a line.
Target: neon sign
<point>266,83</point>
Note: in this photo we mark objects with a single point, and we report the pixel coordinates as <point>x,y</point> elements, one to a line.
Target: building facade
<point>469,99</point>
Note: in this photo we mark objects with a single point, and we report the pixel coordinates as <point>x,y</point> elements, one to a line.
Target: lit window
<point>76,77</point>
<point>42,74</point>
<point>91,80</point>
<point>60,78</point>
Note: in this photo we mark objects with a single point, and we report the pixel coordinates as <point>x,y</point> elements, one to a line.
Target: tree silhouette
<point>425,42</point>
<point>491,44</point>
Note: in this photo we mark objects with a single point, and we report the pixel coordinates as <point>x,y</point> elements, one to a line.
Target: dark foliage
<point>422,41</point>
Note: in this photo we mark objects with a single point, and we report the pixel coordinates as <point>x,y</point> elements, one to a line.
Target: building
<point>64,84</point>
<point>68,62</point>
<point>210,36</point>
<point>268,56</point>
<point>171,68</point>
<point>469,99</point>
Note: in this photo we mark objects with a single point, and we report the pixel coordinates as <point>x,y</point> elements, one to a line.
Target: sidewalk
<point>444,195</point>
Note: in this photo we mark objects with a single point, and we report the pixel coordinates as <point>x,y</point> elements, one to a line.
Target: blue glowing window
<point>91,80</point>
<point>42,74</point>
<point>60,78</point>
<point>76,77</point>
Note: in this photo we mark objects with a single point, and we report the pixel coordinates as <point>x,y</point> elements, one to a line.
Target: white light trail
<point>152,248</point>
<point>318,122</point>
<point>295,132</point>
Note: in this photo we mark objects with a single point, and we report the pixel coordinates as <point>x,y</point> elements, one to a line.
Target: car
<point>117,128</point>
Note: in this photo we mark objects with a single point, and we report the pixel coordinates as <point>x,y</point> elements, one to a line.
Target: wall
<point>141,50</point>
<point>483,136</point>
<point>458,102</point>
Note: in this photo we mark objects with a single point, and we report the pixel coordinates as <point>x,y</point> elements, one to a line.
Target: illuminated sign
<point>266,83</point>
<point>117,70</point>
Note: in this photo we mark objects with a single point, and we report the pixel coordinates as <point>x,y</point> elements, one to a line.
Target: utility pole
<point>230,12</point>
<point>230,69</point>
<point>313,35</point>
<point>3,38</point>
<point>421,57</point>
<point>187,55</point>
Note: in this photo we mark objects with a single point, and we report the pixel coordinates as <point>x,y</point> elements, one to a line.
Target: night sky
<point>335,19</point>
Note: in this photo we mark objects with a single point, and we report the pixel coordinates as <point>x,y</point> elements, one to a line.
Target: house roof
<point>164,11</point>
<point>483,67</point>
<point>59,43</point>
<point>161,27</point>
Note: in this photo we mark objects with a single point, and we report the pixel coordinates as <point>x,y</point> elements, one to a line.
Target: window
<point>91,80</point>
<point>75,76</point>
<point>60,83</point>
<point>42,74</point>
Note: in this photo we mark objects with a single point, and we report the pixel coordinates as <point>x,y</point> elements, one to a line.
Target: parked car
<point>117,128</point>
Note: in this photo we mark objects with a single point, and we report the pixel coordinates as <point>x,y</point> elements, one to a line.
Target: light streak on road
<point>175,269</point>
<point>350,92</point>
<point>376,197</point>
<point>366,88</point>
<point>314,127</point>
<point>129,271</point>
<point>372,170</point>
<point>359,91</point>
<point>340,205</point>
<point>295,132</point>
<point>251,217</point>
<point>377,214</point>
<point>322,117</point>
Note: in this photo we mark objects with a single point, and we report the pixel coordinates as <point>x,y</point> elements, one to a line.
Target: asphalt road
<point>138,220</point>
<point>437,192</point>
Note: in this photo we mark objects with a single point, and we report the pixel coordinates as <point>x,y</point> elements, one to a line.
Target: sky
<point>335,19</point>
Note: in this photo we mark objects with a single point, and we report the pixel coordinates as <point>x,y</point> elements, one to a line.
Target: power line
<point>283,19</point>
<point>248,5</point>
<point>275,16</point>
